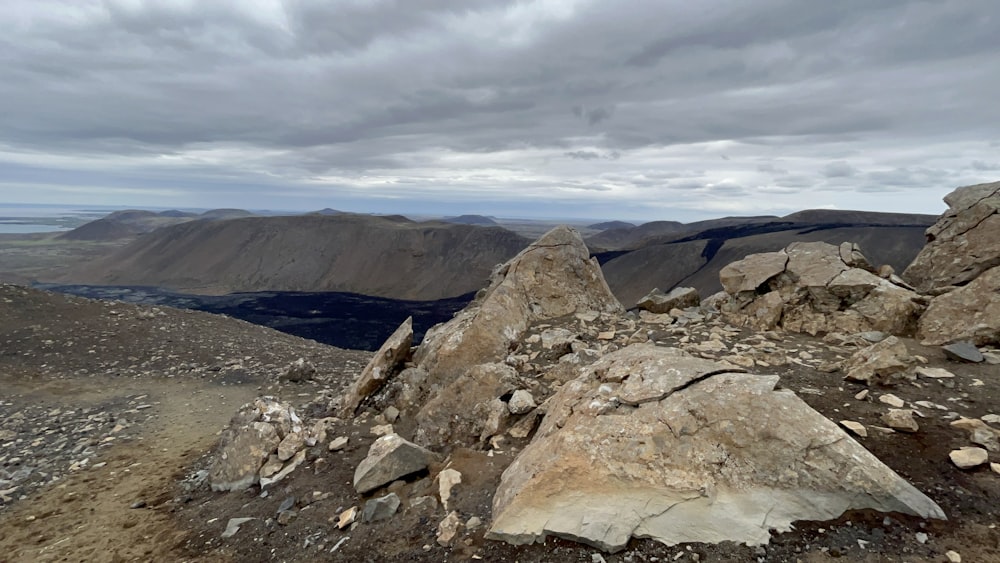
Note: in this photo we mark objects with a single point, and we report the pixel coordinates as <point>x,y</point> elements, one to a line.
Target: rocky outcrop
<point>964,243</point>
<point>652,443</point>
<point>809,287</point>
<point>971,312</point>
<point>460,363</point>
<point>383,364</point>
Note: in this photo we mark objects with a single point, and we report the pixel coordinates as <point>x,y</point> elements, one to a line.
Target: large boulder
<point>651,443</point>
<point>964,243</point>
<point>383,365</point>
<point>971,312</point>
<point>461,361</point>
<point>389,458</point>
<point>815,287</point>
<point>551,278</point>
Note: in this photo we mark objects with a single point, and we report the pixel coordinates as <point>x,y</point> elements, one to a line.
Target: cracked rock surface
<point>686,454</point>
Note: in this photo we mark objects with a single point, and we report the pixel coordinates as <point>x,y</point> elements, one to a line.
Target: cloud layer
<point>626,109</point>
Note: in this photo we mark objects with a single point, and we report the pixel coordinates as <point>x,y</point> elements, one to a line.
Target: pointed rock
<point>382,365</point>
<point>695,455</point>
<point>389,458</point>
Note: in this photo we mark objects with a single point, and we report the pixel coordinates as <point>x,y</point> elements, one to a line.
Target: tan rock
<point>448,529</point>
<point>884,362</point>
<point>677,298</point>
<point>855,427</point>
<point>964,243</point>
<point>979,433</point>
<point>901,420</point>
<point>447,480</point>
<point>250,439</point>
<point>934,373</point>
<point>752,272</point>
<point>969,457</point>
<point>382,366</point>
<point>661,446</point>
<point>969,313</point>
<point>461,409</point>
<point>347,517</point>
<point>891,400</point>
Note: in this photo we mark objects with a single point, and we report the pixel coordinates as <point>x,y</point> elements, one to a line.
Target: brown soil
<point>86,514</point>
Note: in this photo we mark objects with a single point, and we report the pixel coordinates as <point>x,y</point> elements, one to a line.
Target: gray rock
<point>389,458</point>
<point>521,402</point>
<point>381,508</point>
<point>884,363</point>
<point>233,526</point>
<point>299,370</point>
<point>678,298</point>
<point>901,420</point>
<point>694,455</point>
<point>383,365</point>
<point>963,351</point>
<point>251,437</point>
<point>971,313</point>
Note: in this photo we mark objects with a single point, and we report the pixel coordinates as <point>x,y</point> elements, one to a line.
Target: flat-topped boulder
<point>651,443</point>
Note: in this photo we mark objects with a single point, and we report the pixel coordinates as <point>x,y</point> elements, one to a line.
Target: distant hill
<point>380,256</point>
<point>470,220</point>
<point>611,225</point>
<point>214,214</point>
<point>693,256</point>
<point>133,222</point>
<point>327,211</point>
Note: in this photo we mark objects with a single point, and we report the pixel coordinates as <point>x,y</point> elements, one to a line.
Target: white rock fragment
<point>855,427</point>
<point>969,457</point>
<point>892,400</point>
<point>934,373</point>
<point>953,556</point>
<point>447,479</point>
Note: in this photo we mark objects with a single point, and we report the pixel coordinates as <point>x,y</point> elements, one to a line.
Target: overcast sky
<point>617,109</point>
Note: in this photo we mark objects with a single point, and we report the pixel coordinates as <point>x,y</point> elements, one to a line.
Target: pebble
<point>891,400</point>
<point>968,457</point>
<point>953,556</point>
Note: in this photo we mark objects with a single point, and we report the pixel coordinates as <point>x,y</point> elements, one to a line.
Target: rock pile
<point>815,287</point>
<point>264,442</point>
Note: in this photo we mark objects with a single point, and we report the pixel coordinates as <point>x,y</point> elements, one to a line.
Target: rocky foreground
<point>820,407</point>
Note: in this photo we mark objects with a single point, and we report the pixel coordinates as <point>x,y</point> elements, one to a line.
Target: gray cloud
<point>813,104</point>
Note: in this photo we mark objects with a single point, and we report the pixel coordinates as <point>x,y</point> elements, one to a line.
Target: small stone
<point>934,373</point>
<point>606,335</point>
<point>347,517</point>
<point>233,526</point>
<point>338,443</point>
<point>862,395</point>
<point>299,370</point>
<point>995,467</point>
<point>382,508</point>
<point>855,427</point>
<point>900,419</point>
<point>963,351</point>
<point>891,400</point>
<point>448,528</point>
<point>953,556</point>
<point>991,418</point>
<point>391,414</point>
<point>521,402</point>
<point>286,516</point>
<point>382,430</point>
<point>476,522</point>
<point>921,537</point>
<point>969,457</point>
<point>447,479</point>
<point>287,504</point>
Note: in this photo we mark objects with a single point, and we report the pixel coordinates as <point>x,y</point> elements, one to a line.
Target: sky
<point>635,110</point>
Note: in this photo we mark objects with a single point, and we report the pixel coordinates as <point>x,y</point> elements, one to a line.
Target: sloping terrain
<point>380,256</point>
<point>132,222</point>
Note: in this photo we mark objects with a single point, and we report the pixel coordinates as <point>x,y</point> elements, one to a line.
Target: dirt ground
<point>138,507</point>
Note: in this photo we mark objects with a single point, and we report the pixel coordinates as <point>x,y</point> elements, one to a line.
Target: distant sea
<point>41,218</point>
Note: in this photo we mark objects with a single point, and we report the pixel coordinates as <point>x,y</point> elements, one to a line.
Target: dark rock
<point>963,351</point>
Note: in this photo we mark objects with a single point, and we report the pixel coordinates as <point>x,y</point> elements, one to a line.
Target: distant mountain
<point>470,220</point>
<point>611,225</point>
<point>327,211</point>
<point>380,256</point>
<point>121,224</point>
<point>215,214</point>
<point>176,213</point>
<point>693,255</point>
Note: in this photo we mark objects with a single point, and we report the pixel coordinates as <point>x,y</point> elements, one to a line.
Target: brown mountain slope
<point>354,253</point>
